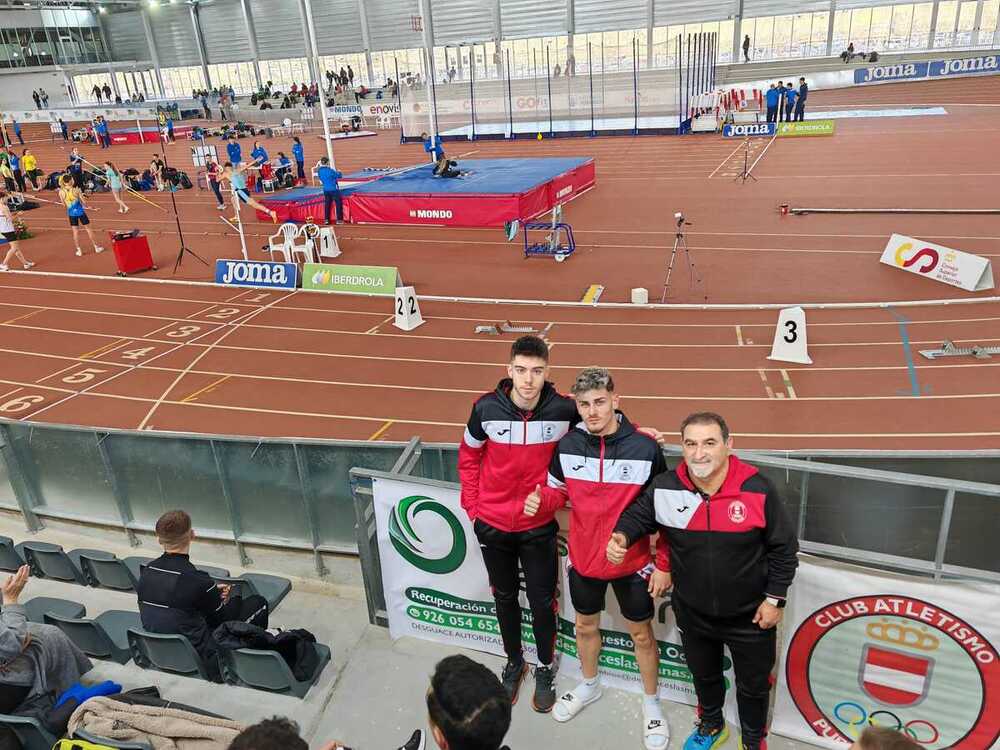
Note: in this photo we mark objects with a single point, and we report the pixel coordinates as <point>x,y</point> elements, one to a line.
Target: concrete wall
<point>16,88</point>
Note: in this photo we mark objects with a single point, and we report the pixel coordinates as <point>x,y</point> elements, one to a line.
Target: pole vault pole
<point>307,6</point>
<point>425,29</point>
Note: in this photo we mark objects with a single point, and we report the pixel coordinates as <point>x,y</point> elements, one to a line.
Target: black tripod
<point>177,218</point>
<point>680,243</point>
<point>745,174</point>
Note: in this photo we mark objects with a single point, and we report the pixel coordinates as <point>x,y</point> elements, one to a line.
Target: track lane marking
<point>201,391</point>
<point>381,430</point>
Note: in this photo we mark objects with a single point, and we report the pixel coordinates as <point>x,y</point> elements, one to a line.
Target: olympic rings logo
<point>857,718</point>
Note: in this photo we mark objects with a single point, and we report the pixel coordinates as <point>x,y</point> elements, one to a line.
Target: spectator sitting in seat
<point>279,733</point>
<point>36,658</point>
<point>177,598</point>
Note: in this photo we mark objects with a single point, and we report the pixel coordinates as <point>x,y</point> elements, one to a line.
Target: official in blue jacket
<point>260,158</point>
<point>331,189</point>
<point>800,105</point>
<point>771,97</point>
<point>298,153</point>
<point>790,95</point>
<point>234,151</point>
<point>433,147</point>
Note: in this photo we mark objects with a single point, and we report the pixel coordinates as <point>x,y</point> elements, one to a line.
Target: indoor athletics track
<point>200,358</point>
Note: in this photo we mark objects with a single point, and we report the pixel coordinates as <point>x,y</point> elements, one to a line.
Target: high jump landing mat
<point>148,134</point>
<point>490,193</point>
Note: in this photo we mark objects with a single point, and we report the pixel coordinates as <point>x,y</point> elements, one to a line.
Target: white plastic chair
<point>305,248</point>
<point>283,241</point>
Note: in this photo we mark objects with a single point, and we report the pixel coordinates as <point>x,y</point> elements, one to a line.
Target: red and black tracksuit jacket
<point>600,476</point>
<point>506,452</point>
<point>728,551</point>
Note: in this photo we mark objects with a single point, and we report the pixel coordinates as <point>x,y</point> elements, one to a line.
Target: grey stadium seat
<point>10,559</point>
<point>266,670</point>
<point>272,588</point>
<point>30,732</point>
<point>52,561</point>
<point>40,606</point>
<point>104,637</point>
<point>111,572</point>
<point>167,653</point>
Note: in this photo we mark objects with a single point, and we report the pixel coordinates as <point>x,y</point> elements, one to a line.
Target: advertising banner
<point>436,588</point>
<point>963,66</point>
<point>256,273</point>
<point>964,270</point>
<point>742,130</point>
<point>812,127</point>
<point>901,71</point>
<point>865,647</point>
<point>329,277</point>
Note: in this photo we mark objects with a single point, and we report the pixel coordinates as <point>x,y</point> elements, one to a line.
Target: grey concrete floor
<point>372,694</point>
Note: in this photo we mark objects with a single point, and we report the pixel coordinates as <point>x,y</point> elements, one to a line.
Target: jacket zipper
<point>711,566</point>
<point>524,443</point>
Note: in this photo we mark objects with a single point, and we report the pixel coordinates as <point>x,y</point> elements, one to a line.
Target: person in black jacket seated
<point>177,598</point>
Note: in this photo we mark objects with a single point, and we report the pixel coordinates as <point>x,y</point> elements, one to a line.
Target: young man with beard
<point>733,557</point>
<point>600,467</point>
<point>505,454</point>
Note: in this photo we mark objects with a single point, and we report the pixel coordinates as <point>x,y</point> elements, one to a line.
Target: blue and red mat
<point>489,193</point>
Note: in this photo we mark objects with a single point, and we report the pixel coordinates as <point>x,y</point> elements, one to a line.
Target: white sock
<point>587,688</point>
<point>651,708</point>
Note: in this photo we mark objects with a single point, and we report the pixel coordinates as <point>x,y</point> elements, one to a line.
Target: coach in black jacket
<point>733,556</point>
<point>177,598</point>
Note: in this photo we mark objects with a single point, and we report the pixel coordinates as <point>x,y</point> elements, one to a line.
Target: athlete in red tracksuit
<point>599,468</point>
<point>504,455</point>
<point>733,557</point>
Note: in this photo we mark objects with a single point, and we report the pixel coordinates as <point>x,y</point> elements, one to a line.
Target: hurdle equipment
<point>552,247</point>
<point>407,309</point>
<point>790,342</point>
<point>948,349</point>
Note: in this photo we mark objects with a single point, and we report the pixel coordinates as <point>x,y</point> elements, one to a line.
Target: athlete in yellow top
<point>76,208</point>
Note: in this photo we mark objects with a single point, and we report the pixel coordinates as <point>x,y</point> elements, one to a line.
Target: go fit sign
<point>964,270</point>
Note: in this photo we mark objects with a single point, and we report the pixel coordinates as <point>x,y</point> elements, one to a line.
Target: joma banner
<point>436,588</point>
<point>866,647</point>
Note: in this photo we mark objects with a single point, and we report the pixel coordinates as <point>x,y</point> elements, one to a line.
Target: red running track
<point>132,354</point>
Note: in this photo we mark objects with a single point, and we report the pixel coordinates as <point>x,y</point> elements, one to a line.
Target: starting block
<point>948,349</point>
<point>505,327</point>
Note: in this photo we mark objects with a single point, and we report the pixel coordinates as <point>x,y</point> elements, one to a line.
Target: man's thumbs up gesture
<point>533,501</point>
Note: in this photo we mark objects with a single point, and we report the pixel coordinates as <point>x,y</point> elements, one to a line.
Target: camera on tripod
<point>681,219</point>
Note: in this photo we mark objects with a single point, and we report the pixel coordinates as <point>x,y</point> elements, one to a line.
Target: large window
<point>237,75</point>
<point>183,81</point>
<point>283,73</point>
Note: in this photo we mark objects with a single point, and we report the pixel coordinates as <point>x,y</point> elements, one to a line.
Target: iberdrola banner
<point>436,588</point>
<point>865,647</point>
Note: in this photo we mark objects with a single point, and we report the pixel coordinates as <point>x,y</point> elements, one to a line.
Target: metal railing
<point>930,526</point>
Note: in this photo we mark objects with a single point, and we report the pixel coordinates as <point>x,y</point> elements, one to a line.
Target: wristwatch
<point>775,602</point>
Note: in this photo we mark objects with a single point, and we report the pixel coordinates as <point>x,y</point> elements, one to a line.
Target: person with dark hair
<point>733,554</point>
<point>800,105</point>
<point>17,131</point>
<point>328,176</point>
<point>298,153</point>
<point>467,706</point>
<point>29,164</point>
<point>114,180</point>
<point>175,597</point>
<point>277,733</point>
<point>883,738</point>
<point>505,453</point>
<point>746,48</point>
<point>8,230</point>
<point>213,174</point>
<point>771,99</point>
<point>599,469</point>
<point>791,93</point>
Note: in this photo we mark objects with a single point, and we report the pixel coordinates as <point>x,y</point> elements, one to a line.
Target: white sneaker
<point>79,252</point>
<point>655,732</point>
<point>98,249</point>
<point>3,267</point>
<point>125,210</point>
<point>28,264</point>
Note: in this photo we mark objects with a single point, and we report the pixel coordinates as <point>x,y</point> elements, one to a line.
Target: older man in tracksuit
<point>733,557</point>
